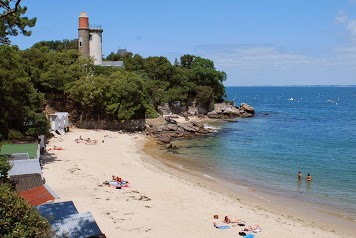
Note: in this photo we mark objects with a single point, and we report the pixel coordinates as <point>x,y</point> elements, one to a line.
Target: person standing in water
<point>299,175</point>
<point>309,178</point>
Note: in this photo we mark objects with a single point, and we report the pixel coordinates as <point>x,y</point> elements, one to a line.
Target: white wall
<point>54,123</point>
<point>95,47</point>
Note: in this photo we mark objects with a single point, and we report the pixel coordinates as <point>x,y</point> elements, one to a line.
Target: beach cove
<point>160,201</point>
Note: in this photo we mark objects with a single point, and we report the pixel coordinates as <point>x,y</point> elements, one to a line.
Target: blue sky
<point>274,42</point>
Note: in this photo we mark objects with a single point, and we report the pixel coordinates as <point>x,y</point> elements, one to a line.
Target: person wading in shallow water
<point>309,178</point>
<point>300,175</point>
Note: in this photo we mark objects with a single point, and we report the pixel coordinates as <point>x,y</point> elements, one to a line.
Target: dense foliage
<point>21,104</point>
<point>12,20</point>
<point>17,217</point>
<point>52,72</point>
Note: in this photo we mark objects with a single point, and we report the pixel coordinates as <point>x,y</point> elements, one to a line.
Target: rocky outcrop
<point>165,129</point>
<point>226,110</point>
<point>247,108</point>
<point>172,129</point>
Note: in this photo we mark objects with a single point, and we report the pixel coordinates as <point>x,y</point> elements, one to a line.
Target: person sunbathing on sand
<point>228,220</point>
<point>120,181</point>
<point>57,148</point>
<point>253,228</point>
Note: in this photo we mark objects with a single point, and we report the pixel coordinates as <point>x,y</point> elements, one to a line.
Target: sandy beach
<point>158,202</point>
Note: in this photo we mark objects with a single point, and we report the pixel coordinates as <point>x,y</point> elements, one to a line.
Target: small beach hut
<point>39,195</point>
<point>77,225</point>
<point>33,150</point>
<point>25,182</point>
<point>27,166</point>
<point>66,221</point>
<point>55,122</point>
<point>64,120</point>
<point>57,211</point>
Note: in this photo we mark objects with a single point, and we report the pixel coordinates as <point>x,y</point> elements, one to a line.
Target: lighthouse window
<point>80,41</point>
<point>90,37</point>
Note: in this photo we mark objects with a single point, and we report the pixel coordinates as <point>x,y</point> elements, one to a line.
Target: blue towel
<point>222,227</point>
<point>249,236</point>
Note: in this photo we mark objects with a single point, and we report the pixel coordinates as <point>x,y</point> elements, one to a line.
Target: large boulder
<point>164,140</point>
<point>192,111</point>
<point>232,111</point>
<point>169,120</point>
<point>188,127</point>
<point>246,114</point>
<point>247,108</point>
<point>172,127</point>
<point>212,113</point>
<point>164,109</point>
<point>202,109</point>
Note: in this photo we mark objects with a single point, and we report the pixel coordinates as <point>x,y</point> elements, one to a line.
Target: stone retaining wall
<point>128,125</point>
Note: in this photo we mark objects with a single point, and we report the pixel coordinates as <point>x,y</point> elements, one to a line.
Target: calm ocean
<point>307,129</point>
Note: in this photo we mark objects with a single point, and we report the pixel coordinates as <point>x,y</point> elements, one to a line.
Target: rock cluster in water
<point>170,129</point>
<point>226,110</point>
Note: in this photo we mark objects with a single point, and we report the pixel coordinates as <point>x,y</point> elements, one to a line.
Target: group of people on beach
<point>117,182</point>
<point>87,141</point>
<point>227,220</point>
<point>308,178</point>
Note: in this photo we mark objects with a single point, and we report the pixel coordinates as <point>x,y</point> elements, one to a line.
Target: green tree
<point>180,86</point>
<point>12,20</point>
<point>17,217</point>
<point>19,100</point>
<point>205,74</point>
<point>34,62</point>
<point>205,96</point>
<point>121,95</point>
<point>158,68</point>
<point>186,61</point>
<point>58,45</point>
<point>5,166</point>
<point>63,68</point>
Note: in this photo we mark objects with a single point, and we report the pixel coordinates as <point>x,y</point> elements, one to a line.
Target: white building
<point>90,42</point>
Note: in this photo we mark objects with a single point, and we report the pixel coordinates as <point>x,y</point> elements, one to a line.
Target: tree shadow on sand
<point>48,158</point>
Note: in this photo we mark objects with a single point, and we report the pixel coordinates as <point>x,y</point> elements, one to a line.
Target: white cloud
<point>341,18</point>
<point>351,27</point>
<point>348,23</point>
<point>254,55</point>
<point>271,65</point>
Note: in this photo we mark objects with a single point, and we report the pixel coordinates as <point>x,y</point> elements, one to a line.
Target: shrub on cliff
<point>17,217</point>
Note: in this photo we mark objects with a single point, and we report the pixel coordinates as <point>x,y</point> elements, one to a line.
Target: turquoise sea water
<point>307,129</point>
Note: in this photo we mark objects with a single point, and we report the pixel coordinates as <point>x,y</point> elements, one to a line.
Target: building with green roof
<point>33,150</point>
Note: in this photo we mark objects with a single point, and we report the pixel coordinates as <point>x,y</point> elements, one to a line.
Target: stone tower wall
<point>83,41</point>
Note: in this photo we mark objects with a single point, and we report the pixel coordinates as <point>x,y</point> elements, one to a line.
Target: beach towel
<point>249,236</point>
<point>221,227</point>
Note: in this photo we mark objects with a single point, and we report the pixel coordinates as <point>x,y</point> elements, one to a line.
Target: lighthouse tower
<point>90,39</point>
<point>83,35</point>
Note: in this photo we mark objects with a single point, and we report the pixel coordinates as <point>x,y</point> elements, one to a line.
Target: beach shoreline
<point>252,196</point>
<point>161,201</point>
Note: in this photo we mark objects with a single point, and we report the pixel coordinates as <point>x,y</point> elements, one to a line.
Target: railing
<point>95,26</point>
